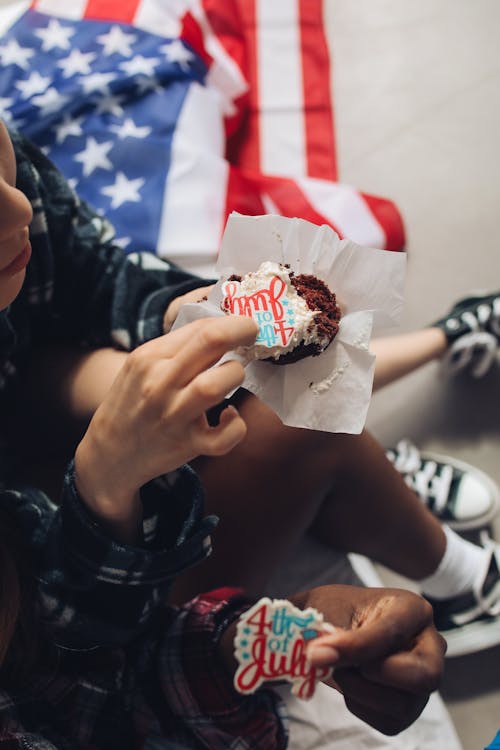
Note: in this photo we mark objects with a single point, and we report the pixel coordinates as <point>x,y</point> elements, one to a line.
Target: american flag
<point>166,115</point>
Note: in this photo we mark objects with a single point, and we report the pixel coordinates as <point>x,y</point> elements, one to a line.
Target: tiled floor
<point>417,96</point>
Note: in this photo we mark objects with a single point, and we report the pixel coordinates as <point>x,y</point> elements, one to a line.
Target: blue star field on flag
<point>102,100</point>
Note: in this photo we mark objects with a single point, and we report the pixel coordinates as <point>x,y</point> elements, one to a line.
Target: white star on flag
<point>94,156</point>
<point>13,54</point>
<point>124,190</point>
<point>128,129</point>
<point>5,104</point>
<point>110,103</point>
<point>175,51</point>
<point>140,65</point>
<point>69,126</point>
<point>117,40</point>
<point>96,81</point>
<point>146,84</point>
<point>50,101</point>
<point>35,84</point>
<point>77,62</point>
<point>55,36</point>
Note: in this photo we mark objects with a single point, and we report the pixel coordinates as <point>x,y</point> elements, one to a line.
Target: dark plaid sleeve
<point>97,592</point>
<point>203,710</point>
<point>80,286</point>
<point>24,741</point>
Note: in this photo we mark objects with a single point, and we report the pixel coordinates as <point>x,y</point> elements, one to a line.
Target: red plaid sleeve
<point>203,707</point>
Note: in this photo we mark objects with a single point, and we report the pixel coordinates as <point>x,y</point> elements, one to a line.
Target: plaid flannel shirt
<point>120,664</point>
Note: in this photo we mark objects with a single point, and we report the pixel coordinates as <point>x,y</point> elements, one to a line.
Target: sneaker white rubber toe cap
<point>474,499</point>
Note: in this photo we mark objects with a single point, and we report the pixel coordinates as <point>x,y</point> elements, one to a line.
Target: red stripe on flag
<point>244,149</point>
<point>387,215</point>
<point>225,22</point>
<point>318,109</point>
<point>243,194</point>
<point>192,34</point>
<point>226,25</point>
<point>291,201</point>
<point>121,11</point>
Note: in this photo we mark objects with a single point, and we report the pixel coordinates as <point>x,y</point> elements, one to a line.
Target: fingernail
<point>322,655</point>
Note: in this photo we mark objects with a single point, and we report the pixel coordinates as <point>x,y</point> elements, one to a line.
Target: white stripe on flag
<point>194,200</point>
<point>270,206</point>
<point>280,88</point>
<point>164,19</point>
<point>224,73</point>
<point>346,209</point>
<point>10,14</point>
<point>73,9</point>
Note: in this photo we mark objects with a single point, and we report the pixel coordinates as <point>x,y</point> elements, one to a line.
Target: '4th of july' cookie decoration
<point>270,644</point>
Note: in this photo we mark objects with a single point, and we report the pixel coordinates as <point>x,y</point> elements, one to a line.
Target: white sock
<point>457,570</point>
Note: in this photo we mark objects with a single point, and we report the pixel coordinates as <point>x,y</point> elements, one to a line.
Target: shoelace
<point>476,351</point>
<point>487,604</point>
<point>478,348</point>
<point>421,475</point>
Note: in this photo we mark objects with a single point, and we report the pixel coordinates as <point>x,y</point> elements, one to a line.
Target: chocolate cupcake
<point>297,315</point>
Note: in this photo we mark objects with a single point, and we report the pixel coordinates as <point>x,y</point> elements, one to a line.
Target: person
<point>91,652</point>
<point>344,505</point>
<point>374,512</point>
<point>456,492</point>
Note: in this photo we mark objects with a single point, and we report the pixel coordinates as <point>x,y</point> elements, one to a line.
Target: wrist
<point>119,512</point>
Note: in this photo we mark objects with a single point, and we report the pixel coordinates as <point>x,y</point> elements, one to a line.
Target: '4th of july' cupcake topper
<point>270,645</point>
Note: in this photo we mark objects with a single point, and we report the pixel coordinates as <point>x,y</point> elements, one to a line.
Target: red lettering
<point>262,299</point>
<point>259,619</point>
<point>284,331</point>
<point>270,665</point>
<point>277,290</point>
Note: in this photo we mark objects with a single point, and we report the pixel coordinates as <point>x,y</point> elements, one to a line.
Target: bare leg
<point>281,481</point>
<point>400,355</point>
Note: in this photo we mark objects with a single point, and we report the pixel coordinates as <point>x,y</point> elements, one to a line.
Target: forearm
<point>110,589</point>
<point>85,379</point>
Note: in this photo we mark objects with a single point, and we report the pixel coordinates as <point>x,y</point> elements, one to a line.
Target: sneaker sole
<point>469,639</point>
<point>494,491</point>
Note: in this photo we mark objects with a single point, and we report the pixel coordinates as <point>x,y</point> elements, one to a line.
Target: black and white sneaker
<point>472,328</point>
<point>471,622</point>
<point>457,493</point>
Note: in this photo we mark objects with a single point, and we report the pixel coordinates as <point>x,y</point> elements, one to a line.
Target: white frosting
<point>254,296</point>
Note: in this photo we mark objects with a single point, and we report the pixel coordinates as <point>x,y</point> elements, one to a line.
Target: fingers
<point>209,388</point>
<point>199,345</point>
<point>390,694</point>
<point>389,626</point>
<point>196,295</point>
<point>219,440</point>
<point>416,670</point>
